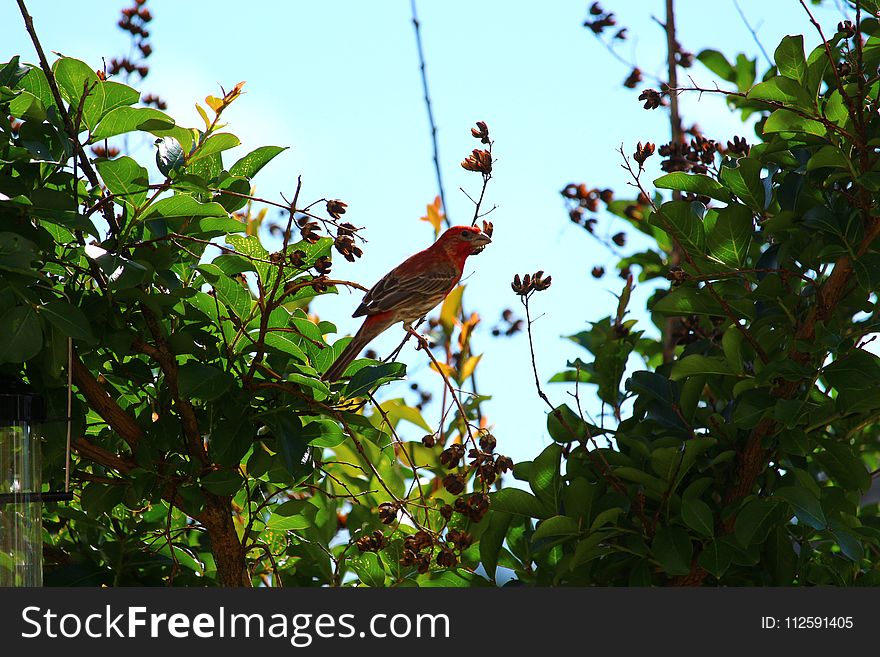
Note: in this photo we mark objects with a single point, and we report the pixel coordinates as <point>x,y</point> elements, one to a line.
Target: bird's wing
<point>395,288</point>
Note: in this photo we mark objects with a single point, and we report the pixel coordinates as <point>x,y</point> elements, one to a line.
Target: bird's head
<point>464,240</point>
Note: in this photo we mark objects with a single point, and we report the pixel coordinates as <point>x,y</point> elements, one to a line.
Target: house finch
<point>410,290</point>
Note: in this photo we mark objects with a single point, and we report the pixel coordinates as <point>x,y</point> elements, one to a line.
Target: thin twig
<point>751,30</point>
<point>418,31</point>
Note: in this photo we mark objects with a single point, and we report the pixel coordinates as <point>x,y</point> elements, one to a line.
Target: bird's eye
<point>467,235</point>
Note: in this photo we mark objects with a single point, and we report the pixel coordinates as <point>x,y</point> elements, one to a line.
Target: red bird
<point>412,289</point>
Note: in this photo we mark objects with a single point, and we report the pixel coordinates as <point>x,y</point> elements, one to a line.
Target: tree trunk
<point>229,554</point>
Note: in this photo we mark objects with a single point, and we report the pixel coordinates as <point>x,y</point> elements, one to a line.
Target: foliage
<point>207,448</point>
<point>744,458</point>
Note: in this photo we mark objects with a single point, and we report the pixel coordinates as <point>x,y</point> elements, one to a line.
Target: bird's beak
<point>480,241</point>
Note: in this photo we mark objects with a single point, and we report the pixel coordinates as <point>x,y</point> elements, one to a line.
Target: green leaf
<point>843,467</point>
<point>782,90</point>
<point>556,526</point>
<point>828,157</point>
<point>867,269</point>
<point>684,222</point>
<point>75,78</point>
<point>214,144</point>
<point>285,342</point>
<point>492,540</point>
<point>129,119</point>
<point>285,523</point>
<point>126,178</point>
<point>718,64</point>
<point>234,193</point>
<point>806,505</point>
<point>117,94</point>
<point>206,227</point>
<point>518,502</point>
<point>36,83</point>
<point>292,443</point>
<point>754,521</point>
<point>229,291</point>
<point>100,498</point>
<point>790,59</point>
<point>12,72</point>
<point>16,253</point>
<point>68,319</point>
<point>222,482</point>
<point>744,180</point>
<point>250,164</point>
<point>716,558</point>
<point>396,409</point>
<point>372,376</point>
<point>20,336</point>
<point>565,426</point>
<point>27,106</point>
<point>859,370</point>
<point>698,516</point>
<point>697,364</point>
<point>323,433</point>
<point>672,548</point>
<point>250,246</point>
<point>783,120</point>
<point>183,205</point>
<point>605,517</point>
<point>203,382</point>
<point>544,478</point>
<point>780,557</point>
<point>369,569</point>
<point>687,300</point>
<point>694,183</point>
<point>752,406</point>
<point>731,236</point>
<point>850,544</point>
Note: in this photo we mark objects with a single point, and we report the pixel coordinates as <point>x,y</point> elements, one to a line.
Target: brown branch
<point>104,405</point>
<point>84,163</point>
<point>99,455</point>
<point>671,325</point>
<point>167,362</point>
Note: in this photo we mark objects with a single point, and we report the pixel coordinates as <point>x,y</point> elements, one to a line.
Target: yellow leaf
<point>235,93</point>
<point>396,410</point>
<point>254,222</point>
<point>450,309</point>
<point>467,327</point>
<point>469,366</point>
<point>435,216</point>
<point>445,369</point>
<point>204,115</point>
<point>213,102</point>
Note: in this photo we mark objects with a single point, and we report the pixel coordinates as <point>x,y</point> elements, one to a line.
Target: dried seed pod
<point>653,98</point>
<point>479,161</point>
<point>388,512</point>
<point>481,132</point>
<point>336,208</point>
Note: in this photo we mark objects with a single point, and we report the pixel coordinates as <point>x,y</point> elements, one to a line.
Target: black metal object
<point>19,404</point>
<point>26,498</point>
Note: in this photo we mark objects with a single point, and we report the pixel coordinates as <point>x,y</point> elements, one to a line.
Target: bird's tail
<point>364,335</point>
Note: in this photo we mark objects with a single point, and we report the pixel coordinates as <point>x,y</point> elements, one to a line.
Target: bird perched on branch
<point>412,289</point>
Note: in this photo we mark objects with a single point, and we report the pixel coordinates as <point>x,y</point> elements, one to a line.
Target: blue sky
<point>338,82</point>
